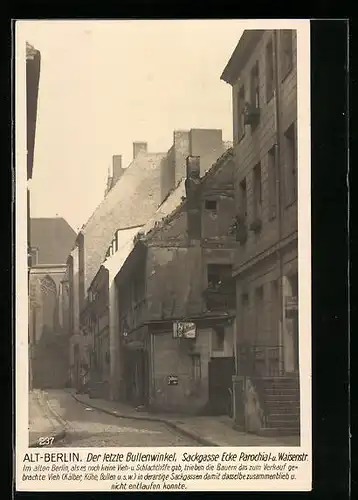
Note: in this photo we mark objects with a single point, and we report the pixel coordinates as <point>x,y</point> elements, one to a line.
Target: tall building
<point>263,74</point>
<point>33,65</point>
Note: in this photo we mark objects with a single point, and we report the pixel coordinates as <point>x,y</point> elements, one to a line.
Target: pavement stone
<point>209,431</point>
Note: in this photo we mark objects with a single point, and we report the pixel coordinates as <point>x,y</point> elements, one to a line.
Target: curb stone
<point>55,435</point>
<point>168,423</point>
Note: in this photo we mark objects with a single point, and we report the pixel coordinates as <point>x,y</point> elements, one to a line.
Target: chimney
<point>117,169</point>
<point>193,167</point>
<point>139,147</point>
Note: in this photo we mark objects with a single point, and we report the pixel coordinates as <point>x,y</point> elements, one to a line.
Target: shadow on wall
<point>51,361</point>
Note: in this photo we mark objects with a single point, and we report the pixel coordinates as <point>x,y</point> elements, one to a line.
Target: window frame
<point>286,57</point>
<point>269,65</point>
<point>207,202</point>
<point>257,189</point>
<point>272,180</point>
<point>241,112</point>
<point>290,171</point>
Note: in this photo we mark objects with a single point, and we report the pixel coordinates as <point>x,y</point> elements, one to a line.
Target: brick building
<point>178,272</point>
<point>263,74</point>
<point>52,239</point>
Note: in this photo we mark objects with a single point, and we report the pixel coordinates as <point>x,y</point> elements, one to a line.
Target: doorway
<point>221,371</point>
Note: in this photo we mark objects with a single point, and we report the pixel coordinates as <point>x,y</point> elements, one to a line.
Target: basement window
<point>210,205</point>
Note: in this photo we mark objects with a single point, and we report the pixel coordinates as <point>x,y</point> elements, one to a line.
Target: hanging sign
<point>184,329</point>
<point>173,380</point>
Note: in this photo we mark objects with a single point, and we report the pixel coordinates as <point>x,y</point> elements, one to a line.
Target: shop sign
<point>173,380</point>
<point>184,330</point>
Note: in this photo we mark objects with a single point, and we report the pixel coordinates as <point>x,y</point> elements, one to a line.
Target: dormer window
<point>210,205</point>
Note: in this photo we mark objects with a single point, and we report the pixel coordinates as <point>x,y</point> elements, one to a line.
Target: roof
<point>53,237</point>
<point>169,208</point>
<point>132,200</point>
<point>126,244</point>
<point>240,55</point>
<point>31,52</point>
<point>177,198</point>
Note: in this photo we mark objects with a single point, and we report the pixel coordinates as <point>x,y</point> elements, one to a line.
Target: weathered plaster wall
<point>174,285</point>
<point>175,357</point>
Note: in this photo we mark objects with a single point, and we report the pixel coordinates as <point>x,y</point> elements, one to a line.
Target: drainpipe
<point>278,186</point>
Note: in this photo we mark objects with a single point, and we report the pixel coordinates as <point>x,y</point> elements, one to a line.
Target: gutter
<point>278,180</point>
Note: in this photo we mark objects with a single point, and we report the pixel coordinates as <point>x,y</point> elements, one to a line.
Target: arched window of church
<point>49,303</point>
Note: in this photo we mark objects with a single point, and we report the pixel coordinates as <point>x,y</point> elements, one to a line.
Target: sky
<point>105,84</point>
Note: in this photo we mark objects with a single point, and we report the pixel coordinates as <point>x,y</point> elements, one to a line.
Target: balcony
<point>220,297</point>
<point>239,229</point>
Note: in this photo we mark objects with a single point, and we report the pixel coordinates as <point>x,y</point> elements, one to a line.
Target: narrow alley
<point>88,427</point>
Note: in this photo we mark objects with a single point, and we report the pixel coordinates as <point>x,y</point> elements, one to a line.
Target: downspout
<point>278,190</point>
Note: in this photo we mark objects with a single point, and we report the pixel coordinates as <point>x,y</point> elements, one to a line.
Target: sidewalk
<point>42,421</point>
<point>209,431</point>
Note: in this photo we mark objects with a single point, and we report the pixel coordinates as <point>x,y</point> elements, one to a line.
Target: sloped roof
<point>126,244</point>
<point>241,54</point>
<point>177,198</point>
<point>132,200</point>
<point>54,239</point>
<point>171,206</point>
<point>31,52</point>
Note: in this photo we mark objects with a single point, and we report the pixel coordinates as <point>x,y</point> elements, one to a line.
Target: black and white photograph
<point>166,280</point>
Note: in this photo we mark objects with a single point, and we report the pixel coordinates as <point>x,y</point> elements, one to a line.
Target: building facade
<point>95,321</point>
<point>132,196</point>
<point>178,275</point>
<point>263,74</point>
<point>52,240</point>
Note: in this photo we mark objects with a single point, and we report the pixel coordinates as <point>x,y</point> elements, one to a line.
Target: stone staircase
<point>282,405</point>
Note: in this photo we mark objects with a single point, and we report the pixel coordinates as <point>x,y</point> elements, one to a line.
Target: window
<point>219,275</point>
<point>257,190</point>
<point>241,114</point>
<point>286,52</point>
<point>210,204</point>
<point>243,199</point>
<point>290,165</point>
<point>196,367</point>
<point>255,87</point>
<point>218,338</point>
<point>272,182</point>
<point>245,327</point>
<point>259,299</point>
<point>270,79</point>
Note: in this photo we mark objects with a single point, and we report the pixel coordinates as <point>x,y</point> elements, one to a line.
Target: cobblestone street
<point>87,427</point>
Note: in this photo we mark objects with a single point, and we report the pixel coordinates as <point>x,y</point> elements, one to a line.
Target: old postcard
<point>163,282</point>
